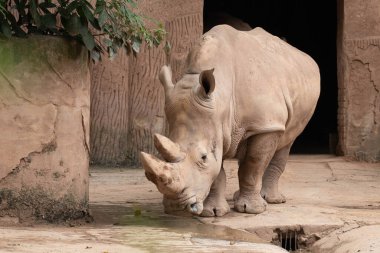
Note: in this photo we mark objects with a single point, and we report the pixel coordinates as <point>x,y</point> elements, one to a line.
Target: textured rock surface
<point>349,239</point>
<point>126,98</point>
<point>359,79</point>
<point>44,122</point>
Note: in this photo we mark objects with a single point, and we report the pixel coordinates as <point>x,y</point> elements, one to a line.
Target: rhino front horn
<point>167,179</point>
<point>155,169</point>
<point>150,163</point>
<point>169,150</point>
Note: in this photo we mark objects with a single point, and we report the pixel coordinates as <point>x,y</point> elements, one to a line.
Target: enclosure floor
<point>329,200</point>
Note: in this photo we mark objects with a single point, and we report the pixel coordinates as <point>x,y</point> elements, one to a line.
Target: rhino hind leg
<point>216,204</point>
<point>259,152</point>
<point>272,175</point>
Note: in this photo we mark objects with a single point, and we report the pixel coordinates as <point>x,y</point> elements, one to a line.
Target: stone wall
<point>126,97</point>
<point>44,126</point>
<point>359,79</point>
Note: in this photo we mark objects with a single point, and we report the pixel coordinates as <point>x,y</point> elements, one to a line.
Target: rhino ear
<point>165,77</point>
<point>207,81</point>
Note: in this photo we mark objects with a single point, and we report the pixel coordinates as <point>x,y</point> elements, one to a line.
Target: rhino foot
<point>215,207</point>
<point>249,203</point>
<point>273,197</point>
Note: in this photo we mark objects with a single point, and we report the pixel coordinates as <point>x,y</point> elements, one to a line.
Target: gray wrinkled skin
<point>245,95</point>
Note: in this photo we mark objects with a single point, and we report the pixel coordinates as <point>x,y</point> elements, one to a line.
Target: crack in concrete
<point>368,134</point>
<point>13,88</point>
<point>45,148</point>
<point>342,230</point>
<point>25,161</point>
<point>377,91</point>
<point>85,135</point>
<point>58,74</point>
<point>333,176</point>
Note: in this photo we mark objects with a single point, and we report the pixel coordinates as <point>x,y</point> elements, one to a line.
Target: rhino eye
<point>204,158</point>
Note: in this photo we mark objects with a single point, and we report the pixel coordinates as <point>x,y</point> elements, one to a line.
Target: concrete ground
<point>332,206</point>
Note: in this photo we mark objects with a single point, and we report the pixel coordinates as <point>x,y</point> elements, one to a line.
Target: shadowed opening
<point>309,26</point>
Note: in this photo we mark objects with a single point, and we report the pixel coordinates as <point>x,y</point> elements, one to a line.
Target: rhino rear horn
<point>169,150</point>
<point>165,77</point>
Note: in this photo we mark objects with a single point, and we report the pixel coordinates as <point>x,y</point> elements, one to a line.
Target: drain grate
<point>288,239</point>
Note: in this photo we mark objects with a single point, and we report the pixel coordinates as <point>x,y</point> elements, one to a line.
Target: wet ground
<point>332,206</point>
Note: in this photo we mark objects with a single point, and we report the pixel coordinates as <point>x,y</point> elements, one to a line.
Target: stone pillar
<point>44,126</point>
<point>359,78</point>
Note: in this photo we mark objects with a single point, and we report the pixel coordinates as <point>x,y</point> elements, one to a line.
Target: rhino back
<point>271,85</point>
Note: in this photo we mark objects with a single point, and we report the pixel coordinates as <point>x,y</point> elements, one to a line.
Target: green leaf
<point>63,3</point>
<point>34,13</point>
<point>45,10</point>
<point>6,29</point>
<point>20,33</point>
<point>47,5</point>
<point>103,17</point>
<point>64,13</point>
<point>88,14</point>
<point>2,10</point>
<point>132,3</point>
<point>87,38</point>
<point>100,6</point>
<point>48,20</point>
<point>107,42</point>
<point>96,25</point>
<point>72,25</point>
<point>20,6</point>
<point>83,18</point>
<point>89,5</point>
<point>72,6</point>
<point>15,27</point>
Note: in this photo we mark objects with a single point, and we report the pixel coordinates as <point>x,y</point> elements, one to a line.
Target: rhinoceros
<point>244,95</point>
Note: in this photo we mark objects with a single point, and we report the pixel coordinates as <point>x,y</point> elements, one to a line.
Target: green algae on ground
<point>178,224</point>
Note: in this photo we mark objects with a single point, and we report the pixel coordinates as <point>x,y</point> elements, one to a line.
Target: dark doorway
<point>309,26</point>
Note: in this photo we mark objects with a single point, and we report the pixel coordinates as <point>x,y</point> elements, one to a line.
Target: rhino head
<point>192,155</point>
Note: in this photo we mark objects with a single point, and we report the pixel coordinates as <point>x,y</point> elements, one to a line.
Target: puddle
<point>152,217</point>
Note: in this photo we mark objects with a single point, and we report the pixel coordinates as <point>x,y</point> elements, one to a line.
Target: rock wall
<point>359,79</point>
<point>44,126</point>
<point>127,99</point>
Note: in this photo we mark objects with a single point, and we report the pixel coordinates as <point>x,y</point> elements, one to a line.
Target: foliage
<point>114,20</point>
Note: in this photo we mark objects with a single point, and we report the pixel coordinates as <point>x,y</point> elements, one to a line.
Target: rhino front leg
<point>216,203</point>
<point>260,150</point>
<point>272,175</point>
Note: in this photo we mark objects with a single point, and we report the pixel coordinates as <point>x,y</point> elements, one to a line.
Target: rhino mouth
<point>192,205</point>
<point>189,204</point>
<point>195,208</point>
